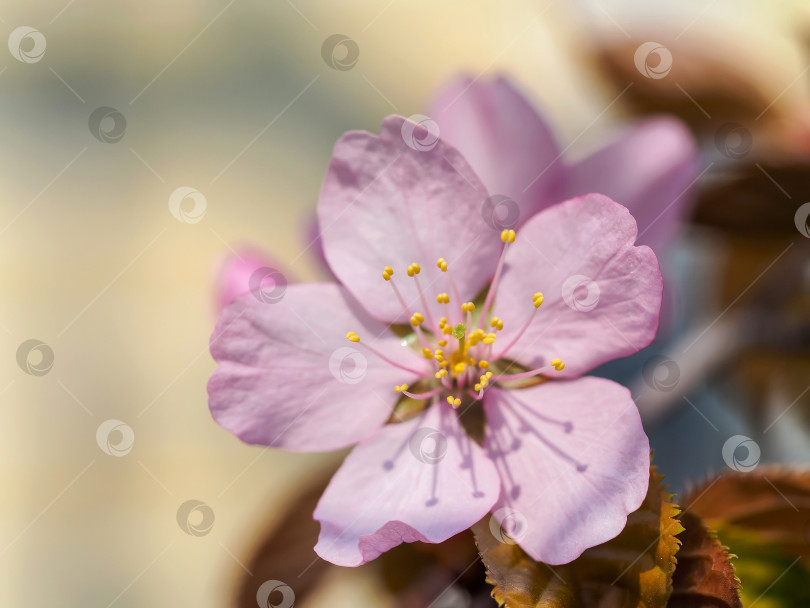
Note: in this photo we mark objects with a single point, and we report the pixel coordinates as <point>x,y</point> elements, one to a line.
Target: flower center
<point>458,346</point>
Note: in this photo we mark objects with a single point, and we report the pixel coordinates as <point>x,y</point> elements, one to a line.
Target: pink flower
<point>244,271</point>
<point>506,423</point>
<point>648,167</point>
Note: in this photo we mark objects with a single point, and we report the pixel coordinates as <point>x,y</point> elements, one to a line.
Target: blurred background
<point>109,282</point>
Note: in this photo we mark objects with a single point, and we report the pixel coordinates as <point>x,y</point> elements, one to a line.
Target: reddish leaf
<point>705,575</point>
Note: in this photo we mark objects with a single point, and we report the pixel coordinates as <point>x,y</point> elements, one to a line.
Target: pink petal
<point>649,169</point>
<point>236,271</point>
<point>423,479</point>
<point>505,140</point>
<point>602,295</point>
<point>574,461</point>
<point>385,203</point>
<point>288,377</point>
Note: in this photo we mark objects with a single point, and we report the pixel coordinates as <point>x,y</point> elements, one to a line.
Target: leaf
<point>772,504</point>
<point>764,517</point>
<point>634,570</point>
<point>705,575</point>
<point>286,551</point>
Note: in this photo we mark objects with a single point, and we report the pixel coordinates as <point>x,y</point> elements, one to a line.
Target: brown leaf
<point>634,570</point>
<point>771,502</point>
<point>705,575</point>
<point>286,553</point>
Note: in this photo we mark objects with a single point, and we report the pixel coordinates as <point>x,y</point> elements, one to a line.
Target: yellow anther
<point>442,342</point>
<point>447,329</point>
<point>444,363</point>
<point>441,373</point>
<point>558,364</point>
<point>496,323</point>
<point>471,361</point>
<point>441,264</point>
<point>414,269</point>
<point>489,339</point>
<point>537,299</point>
<point>401,388</point>
<point>454,401</point>
<point>488,375</point>
<point>388,273</point>
<point>439,354</point>
<point>352,337</point>
<point>477,387</point>
<point>443,298</point>
<point>389,270</point>
<point>484,380</point>
<point>427,353</point>
<point>460,367</point>
<point>508,236</point>
<point>417,319</point>
<point>467,307</point>
<point>483,364</point>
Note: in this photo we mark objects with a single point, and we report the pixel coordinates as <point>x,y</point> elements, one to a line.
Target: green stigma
<point>459,331</point>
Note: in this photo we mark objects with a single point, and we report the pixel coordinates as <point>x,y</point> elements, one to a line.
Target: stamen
<point>454,401</point>
<point>537,300</point>
<point>428,395</point>
<point>555,364</point>
<point>442,265</point>
<point>413,270</point>
<point>353,337</point>
<point>507,237</point>
<point>468,307</point>
<point>427,353</point>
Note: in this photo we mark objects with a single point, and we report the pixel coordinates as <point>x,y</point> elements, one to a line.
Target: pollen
<point>467,307</point>
<point>459,368</point>
<point>388,272</point>
<point>417,319</point>
<point>442,343</point>
<point>483,364</point>
<point>454,401</point>
<point>427,353</point>
<point>414,269</point>
<point>441,264</point>
<point>558,364</point>
<point>537,299</point>
<point>400,388</point>
<point>352,337</point>
<point>496,323</point>
<point>489,339</point>
<point>508,236</point>
<point>443,298</point>
<point>440,374</point>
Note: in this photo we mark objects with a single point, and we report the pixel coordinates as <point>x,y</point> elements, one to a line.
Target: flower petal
<point>574,462</point>
<point>236,270</point>
<point>505,140</point>
<point>423,479</point>
<point>386,202</point>
<point>649,169</point>
<point>288,377</point>
<point>602,294</point>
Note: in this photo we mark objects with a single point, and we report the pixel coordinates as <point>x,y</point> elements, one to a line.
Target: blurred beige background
<point>234,100</point>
